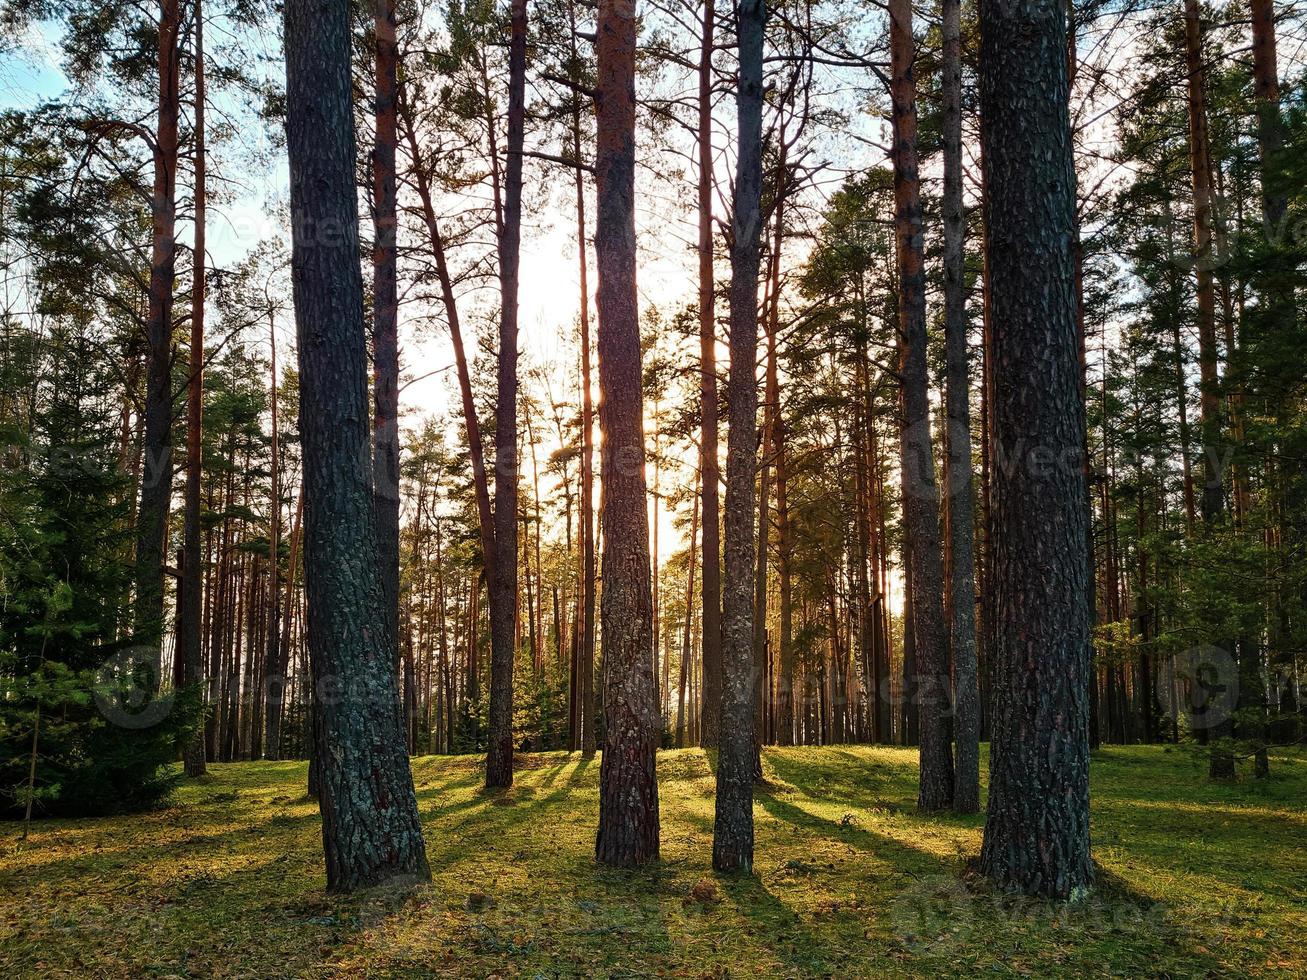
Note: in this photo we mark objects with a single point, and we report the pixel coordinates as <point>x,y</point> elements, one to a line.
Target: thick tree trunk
<point>503,585</point>
<point>733,828</point>
<point>711,630</point>
<point>385,312</point>
<point>370,827</point>
<point>628,787</point>
<point>920,490</point>
<point>957,435</point>
<point>191,594</point>
<point>156,473</point>
<point>1037,827</point>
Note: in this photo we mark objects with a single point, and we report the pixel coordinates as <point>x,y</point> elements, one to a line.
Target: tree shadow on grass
<point>780,928</point>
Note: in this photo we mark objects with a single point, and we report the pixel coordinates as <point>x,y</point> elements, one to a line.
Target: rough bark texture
<point>156,471</point>
<point>957,435</point>
<point>930,685</point>
<point>385,314</point>
<point>733,828</point>
<point>628,788</point>
<point>1037,827</point>
<point>503,586</point>
<point>370,828</point>
<point>189,647</point>
<point>711,629</point>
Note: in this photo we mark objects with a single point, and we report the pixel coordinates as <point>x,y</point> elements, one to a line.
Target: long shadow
<point>188,845</point>
<point>777,925</point>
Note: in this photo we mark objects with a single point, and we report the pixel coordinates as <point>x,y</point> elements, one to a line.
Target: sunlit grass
<point>1196,879</point>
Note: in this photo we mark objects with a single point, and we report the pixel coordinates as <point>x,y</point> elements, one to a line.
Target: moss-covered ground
<point>1195,879</point>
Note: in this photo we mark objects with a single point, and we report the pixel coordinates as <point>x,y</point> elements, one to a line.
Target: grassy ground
<point>1195,880</point>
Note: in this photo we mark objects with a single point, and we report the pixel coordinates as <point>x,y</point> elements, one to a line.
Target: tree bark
<point>628,787</point>
<point>920,490</point>
<point>503,585</point>
<point>585,651</point>
<point>1212,502</point>
<point>711,629</point>
<point>957,434</point>
<point>275,662</point>
<point>189,646</point>
<point>733,828</point>
<point>1037,827</point>
<point>370,827</point>
<point>686,655</point>
<point>276,688</point>
<point>156,473</point>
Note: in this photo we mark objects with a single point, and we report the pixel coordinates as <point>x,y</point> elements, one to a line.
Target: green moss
<point>1195,879</point>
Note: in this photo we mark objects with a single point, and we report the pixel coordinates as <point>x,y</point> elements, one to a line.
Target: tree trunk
<point>711,630</point>
<point>733,829</point>
<point>370,827</point>
<point>189,646</point>
<point>920,490</point>
<point>585,650</point>
<point>628,787</point>
<point>156,473</point>
<point>1212,503</point>
<point>686,655</point>
<point>275,665</point>
<point>472,427</point>
<point>276,688</point>
<point>1037,827</point>
<point>503,585</point>
<point>957,435</point>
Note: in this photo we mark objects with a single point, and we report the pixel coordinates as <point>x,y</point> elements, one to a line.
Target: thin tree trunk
<point>156,473</point>
<point>276,669</point>
<point>503,584</point>
<point>585,714</point>
<point>1212,503</point>
<point>276,688</point>
<point>1037,827</point>
<point>733,828</point>
<point>920,491</point>
<point>686,649</point>
<point>472,427</point>
<point>711,685</point>
<point>628,787</point>
<point>189,646</point>
<point>370,827</point>
<point>957,435</point>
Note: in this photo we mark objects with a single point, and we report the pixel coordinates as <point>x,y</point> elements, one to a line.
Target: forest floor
<point>1195,879</point>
